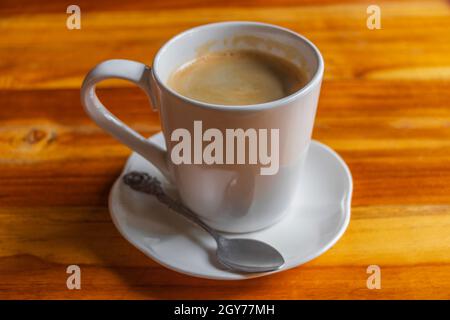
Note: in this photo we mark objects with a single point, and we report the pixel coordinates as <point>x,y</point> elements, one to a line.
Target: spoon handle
<point>141,181</point>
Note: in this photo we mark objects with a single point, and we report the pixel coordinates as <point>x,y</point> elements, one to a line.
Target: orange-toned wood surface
<point>385,107</point>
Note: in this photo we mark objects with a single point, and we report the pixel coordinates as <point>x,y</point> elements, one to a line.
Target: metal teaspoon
<point>243,255</point>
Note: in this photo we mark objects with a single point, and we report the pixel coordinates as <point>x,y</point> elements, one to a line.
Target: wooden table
<point>385,107</point>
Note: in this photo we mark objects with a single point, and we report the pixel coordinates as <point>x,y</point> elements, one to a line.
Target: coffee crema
<point>239,77</point>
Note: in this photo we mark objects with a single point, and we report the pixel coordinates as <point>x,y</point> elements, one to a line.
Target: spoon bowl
<point>248,255</point>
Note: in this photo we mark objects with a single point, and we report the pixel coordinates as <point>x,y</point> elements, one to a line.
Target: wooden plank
<point>414,40</point>
<point>55,6</point>
<point>375,129</point>
<point>33,265</point>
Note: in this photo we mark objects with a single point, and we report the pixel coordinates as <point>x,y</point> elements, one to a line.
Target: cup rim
<point>316,78</point>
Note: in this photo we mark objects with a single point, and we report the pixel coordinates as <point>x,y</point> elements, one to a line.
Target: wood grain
<point>384,107</point>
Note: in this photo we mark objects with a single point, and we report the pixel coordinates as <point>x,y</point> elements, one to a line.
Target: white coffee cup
<point>229,197</point>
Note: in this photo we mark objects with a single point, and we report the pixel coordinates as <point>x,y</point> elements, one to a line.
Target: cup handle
<point>140,74</point>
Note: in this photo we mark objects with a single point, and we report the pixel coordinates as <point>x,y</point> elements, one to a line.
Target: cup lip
<point>316,79</point>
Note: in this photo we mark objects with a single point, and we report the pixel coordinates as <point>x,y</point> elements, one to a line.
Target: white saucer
<point>318,219</point>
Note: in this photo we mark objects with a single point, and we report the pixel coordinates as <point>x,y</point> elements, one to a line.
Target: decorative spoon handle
<point>141,181</point>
